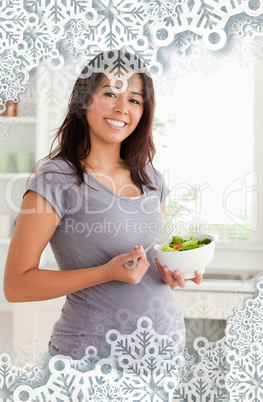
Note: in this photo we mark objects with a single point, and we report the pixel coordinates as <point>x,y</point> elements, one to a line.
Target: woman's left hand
<point>178,280</point>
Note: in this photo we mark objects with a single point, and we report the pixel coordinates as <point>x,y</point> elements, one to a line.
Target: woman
<point>96,195</point>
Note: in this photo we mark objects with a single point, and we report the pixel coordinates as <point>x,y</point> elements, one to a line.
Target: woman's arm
<point>24,281</point>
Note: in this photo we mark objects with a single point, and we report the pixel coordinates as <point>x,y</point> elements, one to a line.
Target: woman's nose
<point>121,106</point>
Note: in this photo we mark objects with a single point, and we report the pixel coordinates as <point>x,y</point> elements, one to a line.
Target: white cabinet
<point>40,112</point>
<point>26,134</point>
<point>17,136</point>
<point>36,319</point>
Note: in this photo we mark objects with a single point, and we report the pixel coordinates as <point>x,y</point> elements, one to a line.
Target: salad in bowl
<point>186,253</point>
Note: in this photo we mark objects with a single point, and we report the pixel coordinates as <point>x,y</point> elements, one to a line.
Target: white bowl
<point>187,261</point>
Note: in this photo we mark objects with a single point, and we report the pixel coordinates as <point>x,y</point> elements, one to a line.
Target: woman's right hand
<point>118,272</point>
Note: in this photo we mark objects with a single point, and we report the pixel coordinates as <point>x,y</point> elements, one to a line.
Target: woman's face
<point>113,115</point>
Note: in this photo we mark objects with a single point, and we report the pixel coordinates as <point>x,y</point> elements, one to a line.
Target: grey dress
<point>97,224</point>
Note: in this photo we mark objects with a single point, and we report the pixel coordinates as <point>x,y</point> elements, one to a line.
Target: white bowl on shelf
<point>187,261</point>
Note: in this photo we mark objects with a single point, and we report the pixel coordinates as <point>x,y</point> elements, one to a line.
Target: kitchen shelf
<point>5,306</point>
<point>4,242</point>
<point>18,119</point>
<point>10,175</point>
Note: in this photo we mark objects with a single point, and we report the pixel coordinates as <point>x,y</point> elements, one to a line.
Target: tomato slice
<point>176,246</point>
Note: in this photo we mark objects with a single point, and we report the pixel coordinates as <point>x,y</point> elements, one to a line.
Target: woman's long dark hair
<point>73,136</point>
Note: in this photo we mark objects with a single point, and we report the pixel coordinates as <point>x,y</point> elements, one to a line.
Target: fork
<point>160,238</point>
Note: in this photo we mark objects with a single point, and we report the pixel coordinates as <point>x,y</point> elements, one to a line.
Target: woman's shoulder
<point>55,170</point>
<point>157,178</point>
<point>55,165</point>
<point>154,174</point>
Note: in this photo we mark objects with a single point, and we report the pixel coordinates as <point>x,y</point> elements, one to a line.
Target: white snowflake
<point>4,128</point>
<point>76,41</point>
<point>107,392</point>
<point>143,365</point>
<point>244,381</point>
<point>159,9</point>
<point>186,369</point>
<point>34,31</point>
<point>102,322</point>
<point>10,79</point>
<point>246,326</point>
<point>11,377</point>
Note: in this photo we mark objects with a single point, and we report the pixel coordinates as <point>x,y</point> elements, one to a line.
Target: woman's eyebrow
<point>132,92</point>
<point>137,93</point>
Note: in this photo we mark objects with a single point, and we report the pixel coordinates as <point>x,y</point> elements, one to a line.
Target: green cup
<point>4,161</point>
<point>24,161</point>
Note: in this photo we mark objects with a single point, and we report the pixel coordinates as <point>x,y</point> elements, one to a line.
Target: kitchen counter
<point>215,298</point>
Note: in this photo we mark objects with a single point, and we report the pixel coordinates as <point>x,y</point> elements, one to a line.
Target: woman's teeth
<point>115,123</point>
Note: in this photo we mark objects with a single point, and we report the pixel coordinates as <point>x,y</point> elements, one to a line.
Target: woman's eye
<point>135,101</point>
<point>110,95</point>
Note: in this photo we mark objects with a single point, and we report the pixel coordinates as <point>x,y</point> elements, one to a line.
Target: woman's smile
<point>115,123</point>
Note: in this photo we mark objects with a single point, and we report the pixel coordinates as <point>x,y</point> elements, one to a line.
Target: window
<point>207,150</point>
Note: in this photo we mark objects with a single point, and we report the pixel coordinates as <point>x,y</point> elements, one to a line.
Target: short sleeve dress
<point>97,224</point>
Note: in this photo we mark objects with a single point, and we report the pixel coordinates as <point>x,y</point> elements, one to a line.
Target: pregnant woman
<point>98,200</point>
